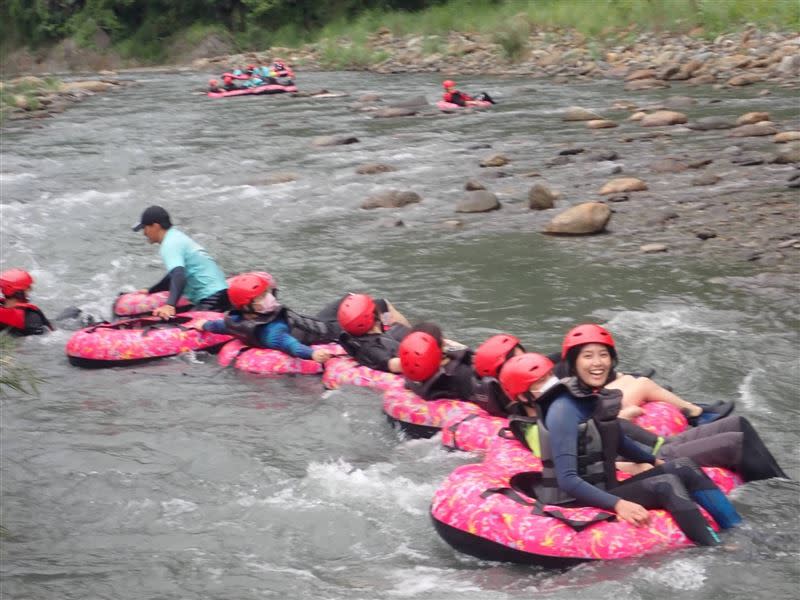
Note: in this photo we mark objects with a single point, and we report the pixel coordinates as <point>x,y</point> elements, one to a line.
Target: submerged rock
<point>478,201</point>
<point>391,199</point>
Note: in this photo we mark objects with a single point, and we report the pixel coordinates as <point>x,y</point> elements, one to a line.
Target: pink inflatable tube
<point>450,107</point>
<point>346,371</point>
<point>424,418</point>
<point>271,88</point>
<point>269,362</point>
<point>138,304</point>
<point>481,510</point>
<point>134,341</point>
<point>474,432</point>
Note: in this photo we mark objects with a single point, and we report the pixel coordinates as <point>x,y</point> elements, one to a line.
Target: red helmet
<point>15,280</point>
<point>420,356</point>
<point>586,334</point>
<point>227,78</point>
<point>520,372</point>
<point>492,353</point>
<point>250,67</point>
<point>356,314</point>
<point>448,83</point>
<point>212,82</point>
<point>245,288</point>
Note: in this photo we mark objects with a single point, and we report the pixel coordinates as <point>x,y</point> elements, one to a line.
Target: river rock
<point>374,168</point>
<point>557,161</point>
<point>571,151</point>
<point>700,163</point>
<point>679,102</point>
<point>709,123</point>
<point>788,155</point>
<point>645,84</point>
<point>746,79</point>
<point>641,74</point>
<point>668,165</point>
<point>541,198</point>
<point>653,248</point>
<point>786,136</point>
<point>21,102</point>
<point>453,223</point>
<point>706,179</point>
<point>663,117</point>
<point>637,116</point>
<point>600,155</point>
<point>495,160</point>
<point>623,184</point>
<point>334,140</point>
<point>391,199</point>
<point>752,117</point>
<point>473,185</point>
<point>600,124</point>
<point>577,113</point>
<point>755,130</point>
<point>389,113</point>
<point>478,201</point>
<point>583,219</point>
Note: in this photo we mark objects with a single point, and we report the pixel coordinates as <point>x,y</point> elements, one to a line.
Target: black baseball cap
<point>154,214</point>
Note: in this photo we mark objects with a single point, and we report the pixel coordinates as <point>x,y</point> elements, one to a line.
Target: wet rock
<point>637,116</point>
<point>558,161</point>
<point>748,160</point>
<point>571,151</point>
<point>752,117</point>
<point>653,248</point>
<point>668,165</point>
<point>700,163</point>
<point>661,118</point>
<point>478,201</point>
<point>473,185</point>
<point>495,160</point>
<point>374,168</point>
<point>754,130</point>
<point>641,74</point>
<point>413,102</point>
<point>389,113</point>
<point>577,113</point>
<point>789,243</point>
<point>391,199</point>
<point>365,98</point>
<point>583,219</point>
<point>704,79</point>
<point>746,79</point>
<point>531,174</point>
<point>706,179</point>
<point>788,155</point>
<point>705,234</point>
<point>599,155</point>
<point>541,198</point>
<point>679,102</point>
<point>600,124</point>
<point>479,146</point>
<point>645,84</point>
<point>709,123</point>
<point>786,136</point>
<point>623,184</point>
<point>453,223</point>
<point>607,170</point>
<point>333,140</point>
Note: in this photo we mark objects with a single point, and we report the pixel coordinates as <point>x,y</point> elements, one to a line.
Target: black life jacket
<point>455,379</point>
<point>598,440</point>
<point>324,327</point>
<point>374,350</point>
<point>28,320</point>
<point>245,329</point>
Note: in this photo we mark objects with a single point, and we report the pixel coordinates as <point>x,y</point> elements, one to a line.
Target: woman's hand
<point>321,356</point>
<point>632,513</point>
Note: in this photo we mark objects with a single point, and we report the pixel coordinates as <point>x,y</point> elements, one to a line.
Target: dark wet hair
<point>432,329</point>
<point>572,358</point>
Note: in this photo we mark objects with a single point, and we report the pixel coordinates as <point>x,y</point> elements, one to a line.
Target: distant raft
<point>263,361</point>
<point>449,107</point>
<point>258,90</point>
<point>134,341</point>
<point>484,510</point>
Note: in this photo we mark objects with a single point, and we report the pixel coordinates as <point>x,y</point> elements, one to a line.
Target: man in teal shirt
<point>190,270</point>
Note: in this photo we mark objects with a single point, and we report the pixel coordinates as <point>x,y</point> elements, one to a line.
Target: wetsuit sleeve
<point>215,326</point>
<point>177,281</point>
<point>562,420</point>
<point>631,450</point>
<point>276,335</point>
<point>161,286</point>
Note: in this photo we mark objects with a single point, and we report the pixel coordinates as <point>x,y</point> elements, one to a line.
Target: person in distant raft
<point>17,315</point>
<point>190,270</point>
<point>453,96</point>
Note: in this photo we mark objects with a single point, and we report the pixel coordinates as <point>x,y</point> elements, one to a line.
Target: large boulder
<point>786,136</point>
<point>391,199</point>
<point>583,219</point>
<point>478,201</point>
<point>752,117</point>
<point>577,113</point>
<point>788,155</point>
<point>540,197</point>
<point>663,117</point>
<point>333,140</point>
<point>755,129</point>
<point>623,184</point>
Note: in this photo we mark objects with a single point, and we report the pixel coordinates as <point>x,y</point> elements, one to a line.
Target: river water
<point>180,480</point>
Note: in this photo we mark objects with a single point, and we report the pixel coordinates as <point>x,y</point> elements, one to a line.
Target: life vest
<point>310,330</point>
<point>457,97</point>
<point>598,440</point>
<point>374,350</point>
<point>24,319</point>
<point>455,379</point>
<point>245,329</point>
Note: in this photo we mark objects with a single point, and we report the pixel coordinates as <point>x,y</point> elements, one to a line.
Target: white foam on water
<point>14,177</point>
<point>176,506</point>
<point>748,392</point>
<point>682,574</point>
<point>422,580</point>
<point>93,197</point>
<point>377,483</point>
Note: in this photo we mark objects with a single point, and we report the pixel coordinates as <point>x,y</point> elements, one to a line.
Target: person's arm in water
<point>276,335</point>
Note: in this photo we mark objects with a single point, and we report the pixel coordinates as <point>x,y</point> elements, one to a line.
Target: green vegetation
<point>13,375</point>
<point>22,93</point>
<point>145,29</point>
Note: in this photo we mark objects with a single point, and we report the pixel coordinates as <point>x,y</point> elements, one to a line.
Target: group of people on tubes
<point>573,408</point>
<point>279,72</point>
